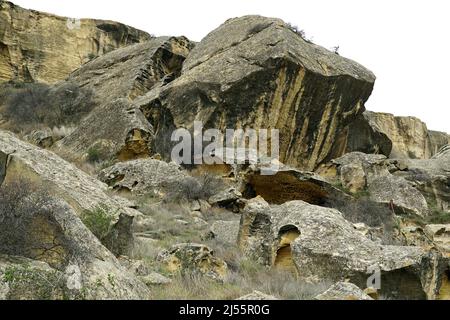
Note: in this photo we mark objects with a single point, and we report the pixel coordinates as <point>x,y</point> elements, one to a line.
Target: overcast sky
<point>406,43</point>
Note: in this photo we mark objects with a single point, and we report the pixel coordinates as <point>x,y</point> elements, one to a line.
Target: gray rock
<point>155,279</point>
<point>343,291</point>
<point>197,258</point>
<point>318,243</point>
<point>117,130</point>
<point>257,72</point>
<point>225,231</point>
<point>225,197</point>
<point>67,182</point>
<point>142,176</point>
<point>406,199</point>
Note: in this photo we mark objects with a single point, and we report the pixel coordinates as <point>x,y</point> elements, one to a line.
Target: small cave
<point>284,187</point>
<point>444,291</point>
<point>283,259</point>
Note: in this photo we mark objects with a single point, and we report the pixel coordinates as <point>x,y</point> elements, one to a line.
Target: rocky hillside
<point>36,46</point>
<point>93,207</point>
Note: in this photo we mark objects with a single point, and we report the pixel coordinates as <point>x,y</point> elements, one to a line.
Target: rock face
<point>410,136</point>
<point>142,176</point>
<point>432,178</point>
<point>343,291</point>
<point>82,192</point>
<point>371,174</point>
<point>318,243</point>
<point>116,78</point>
<point>118,130</point>
<point>189,257</point>
<point>132,71</point>
<point>36,46</point>
<point>256,72</point>
<point>74,266</point>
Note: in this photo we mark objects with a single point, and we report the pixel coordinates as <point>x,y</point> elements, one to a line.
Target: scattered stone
<point>155,279</point>
<point>343,291</point>
<point>225,231</point>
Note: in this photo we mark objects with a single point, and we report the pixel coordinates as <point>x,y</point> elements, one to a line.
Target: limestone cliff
<point>409,135</point>
<point>257,72</point>
<point>36,46</point>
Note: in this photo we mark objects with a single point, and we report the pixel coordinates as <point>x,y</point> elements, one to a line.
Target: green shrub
<point>99,220</point>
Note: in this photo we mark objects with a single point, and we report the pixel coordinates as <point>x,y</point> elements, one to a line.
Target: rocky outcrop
<point>63,179</point>
<point>410,136</point>
<point>225,231</point>
<point>371,175</point>
<point>142,176</point>
<point>116,78</point>
<point>76,264</point>
<point>432,178</point>
<point>116,130</point>
<point>256,72</point>
<point>439,234</point>
<point>343,291</point>
<point>194,258</point>
<point>132,71</point>
<point>318,243</point>
<point>36,46</point>
<point>362,135</point>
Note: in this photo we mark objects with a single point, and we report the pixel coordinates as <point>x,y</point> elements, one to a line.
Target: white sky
<point>406,43</point>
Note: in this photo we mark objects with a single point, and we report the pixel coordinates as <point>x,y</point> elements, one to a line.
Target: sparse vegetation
<point>99,221</point>
<point>198,187</point>
<point>27,226</point>
<point>32,105</point>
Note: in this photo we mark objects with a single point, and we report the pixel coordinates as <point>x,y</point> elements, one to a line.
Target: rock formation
<point>65,181</point>
<point>41,47</point>
<point>116,78</point>
<point>343,291</point>
<point>410,136</point>
<point>318,243</point>
<point>256,72</point>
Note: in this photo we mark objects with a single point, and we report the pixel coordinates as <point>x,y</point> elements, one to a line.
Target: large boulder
<point>84,193</point>
<point>75,264</point>
<point>257,72</point>
<point>115,79</point>
<point>36,46</point>
<point>143,176</point>
<point>116,130</point>
<point>318,243</point>
<point>432,178</point>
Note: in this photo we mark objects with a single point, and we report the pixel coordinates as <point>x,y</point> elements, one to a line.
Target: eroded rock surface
<point>64,180</point>
<point>143,176</point>
<point>117,130</point>
<point>190,257</point>
<point>318,243</point>
<point>256,72</point>
<point>36,46</point>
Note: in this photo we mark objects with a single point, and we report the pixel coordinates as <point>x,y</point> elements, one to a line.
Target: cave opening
<point>444,291</point>
<point>283,259</point>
